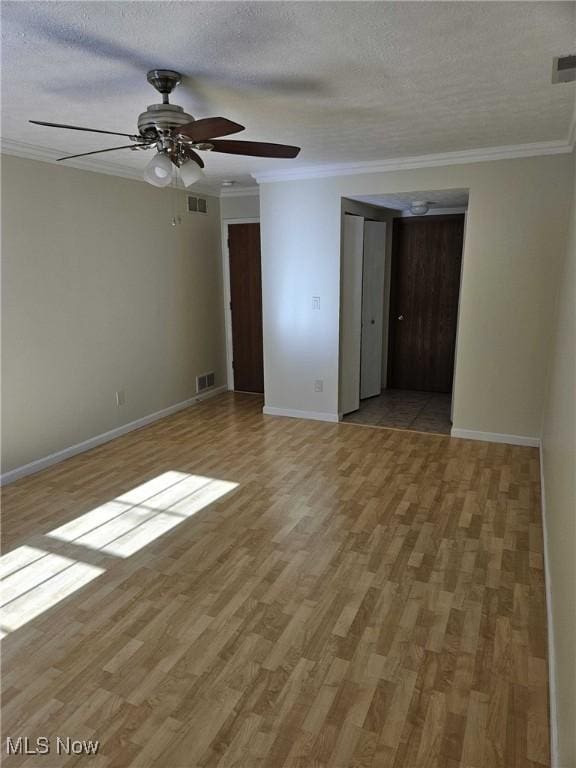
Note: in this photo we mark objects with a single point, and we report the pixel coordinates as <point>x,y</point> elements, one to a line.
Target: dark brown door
<point>246,306</point>
<point>425,284</point>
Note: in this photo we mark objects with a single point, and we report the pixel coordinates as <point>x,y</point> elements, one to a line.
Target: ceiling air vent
<point>206,381</point>
<point>197,205</point>
<point>564,70</point>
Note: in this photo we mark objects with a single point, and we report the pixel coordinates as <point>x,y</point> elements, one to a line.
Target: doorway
<point>424,291</point>
<point>416,279</point>
<point>245,305</point>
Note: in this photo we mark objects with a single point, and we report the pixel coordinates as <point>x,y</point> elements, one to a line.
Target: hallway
<point>404,409</point>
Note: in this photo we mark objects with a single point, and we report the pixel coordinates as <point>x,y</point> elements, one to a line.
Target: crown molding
<point>462,157</point>
<point>239,192</point>
<point>45,155</point>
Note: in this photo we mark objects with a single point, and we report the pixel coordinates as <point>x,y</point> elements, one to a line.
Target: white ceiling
<point>347,81</point>
<point>438,198</point>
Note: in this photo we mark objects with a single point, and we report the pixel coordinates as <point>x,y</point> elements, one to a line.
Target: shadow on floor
<point>404,409</point>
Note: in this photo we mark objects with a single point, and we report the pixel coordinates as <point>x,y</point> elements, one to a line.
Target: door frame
<point>226,295</point>
<point>350,314</point>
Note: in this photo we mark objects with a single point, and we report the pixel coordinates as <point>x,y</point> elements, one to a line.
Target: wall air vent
<point>197,205</point>
<point>564,70</point>
<point>206,381</point>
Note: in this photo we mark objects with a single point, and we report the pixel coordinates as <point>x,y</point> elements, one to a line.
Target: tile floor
<point>404,409</point>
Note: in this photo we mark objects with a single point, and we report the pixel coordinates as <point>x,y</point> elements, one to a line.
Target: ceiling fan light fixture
<point>159,170</point>
<point>178,135</point>
<point>190,173</point>
<point>419,207</point>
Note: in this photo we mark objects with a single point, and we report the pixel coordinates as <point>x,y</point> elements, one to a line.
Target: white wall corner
<point>572,129</point>
<point>552,693</point>
<point>55,458</point>
<point>268,410</point>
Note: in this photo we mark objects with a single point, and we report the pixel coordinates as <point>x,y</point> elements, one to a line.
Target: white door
<point>372,308</point>
<point>351,312</point>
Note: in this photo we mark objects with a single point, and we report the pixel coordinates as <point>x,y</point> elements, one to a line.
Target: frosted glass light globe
<point>190,173</point>
<point>159,170</point>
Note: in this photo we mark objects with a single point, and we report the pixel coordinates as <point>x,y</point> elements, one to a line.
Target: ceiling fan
<point>177,136</point>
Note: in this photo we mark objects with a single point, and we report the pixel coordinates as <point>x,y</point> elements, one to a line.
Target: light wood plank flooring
<point>363,598</point>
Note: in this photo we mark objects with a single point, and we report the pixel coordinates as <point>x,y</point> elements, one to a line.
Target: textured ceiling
<point>346,81</point>
<point>439,198</point>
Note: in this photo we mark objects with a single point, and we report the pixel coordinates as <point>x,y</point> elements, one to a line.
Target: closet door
<point>372,308</point>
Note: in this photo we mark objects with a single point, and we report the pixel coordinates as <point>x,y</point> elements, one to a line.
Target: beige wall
<point>559,464</point>
<point>240,206</point>
<point>100,293</point>
<point>516,230</point>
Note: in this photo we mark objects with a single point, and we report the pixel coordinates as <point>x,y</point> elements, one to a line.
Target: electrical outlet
<point>120,398</point>
<point>319,385</point>
<point>315,302</point>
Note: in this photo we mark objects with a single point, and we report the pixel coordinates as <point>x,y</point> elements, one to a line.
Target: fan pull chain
<point>176,218</point>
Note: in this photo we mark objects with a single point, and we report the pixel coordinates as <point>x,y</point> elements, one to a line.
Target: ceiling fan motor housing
<point>161,117</point>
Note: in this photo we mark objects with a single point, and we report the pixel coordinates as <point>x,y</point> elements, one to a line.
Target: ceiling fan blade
<point>99,151</point>
<point>77,128</point>
<point>202,130</point>
<point>191,155</point>
<point>254,148</point>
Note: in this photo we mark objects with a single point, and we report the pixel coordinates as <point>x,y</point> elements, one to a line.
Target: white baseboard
<point>105,437</point>
<point>551,647</point>
<point>316,415</point>
<point>495,437</point>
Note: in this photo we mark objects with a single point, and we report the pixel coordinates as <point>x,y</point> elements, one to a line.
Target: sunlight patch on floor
<point>33,580</point>
<point>127,524</point>
<point>42,580</point>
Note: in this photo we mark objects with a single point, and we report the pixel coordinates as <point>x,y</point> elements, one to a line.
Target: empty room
<point>288,383</point>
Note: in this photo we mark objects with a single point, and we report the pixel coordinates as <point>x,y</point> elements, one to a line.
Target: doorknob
<point>372,321</point>
<point>400,317</point>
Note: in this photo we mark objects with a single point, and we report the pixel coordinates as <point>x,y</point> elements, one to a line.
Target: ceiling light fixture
<point>159,170</point>
<point>177,136</point>
<point>419,207</point>
<point>228,183</point>
<point>190,173</point>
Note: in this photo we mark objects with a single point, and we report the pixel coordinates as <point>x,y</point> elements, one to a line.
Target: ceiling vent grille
<point>206,381</point>
<point>564,70</point>
<point>197,204</point>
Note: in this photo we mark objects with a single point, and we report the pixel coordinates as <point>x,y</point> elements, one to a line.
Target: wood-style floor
<point>364,598</point>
